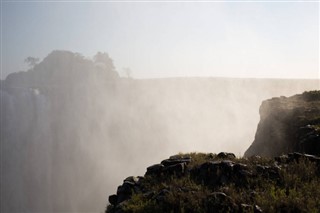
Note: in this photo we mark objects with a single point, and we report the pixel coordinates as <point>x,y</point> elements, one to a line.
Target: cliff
<point>199,182</point>
<point>288,125</point>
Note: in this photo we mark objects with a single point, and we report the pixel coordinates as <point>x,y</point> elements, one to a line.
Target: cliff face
<point>288,125</point>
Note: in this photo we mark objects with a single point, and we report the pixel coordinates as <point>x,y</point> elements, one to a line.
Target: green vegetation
<point>298,192</point>
<point>282,185</point>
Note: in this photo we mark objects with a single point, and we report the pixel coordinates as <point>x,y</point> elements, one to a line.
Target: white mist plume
<point>71,140</point>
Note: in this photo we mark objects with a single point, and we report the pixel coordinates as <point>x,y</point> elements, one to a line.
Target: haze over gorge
<point>72,128</point>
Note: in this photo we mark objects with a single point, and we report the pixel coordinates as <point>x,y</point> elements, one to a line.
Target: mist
<point>72,129</point>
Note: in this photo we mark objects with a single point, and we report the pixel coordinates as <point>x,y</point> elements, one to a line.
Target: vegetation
<point>311,95</point>
<point>282,185</point>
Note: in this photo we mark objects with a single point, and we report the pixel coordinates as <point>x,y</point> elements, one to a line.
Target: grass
<point>296,190</point>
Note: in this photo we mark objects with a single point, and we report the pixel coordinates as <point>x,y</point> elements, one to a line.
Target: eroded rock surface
<point>288,125</point>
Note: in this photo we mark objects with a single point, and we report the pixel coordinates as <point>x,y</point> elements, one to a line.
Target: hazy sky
<point>168,39</point>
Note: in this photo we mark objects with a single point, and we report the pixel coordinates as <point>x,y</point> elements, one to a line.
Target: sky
<point>265,39</point>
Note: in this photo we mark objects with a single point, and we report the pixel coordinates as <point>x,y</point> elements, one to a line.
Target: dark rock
<point>113,200</point>
<point>214,172</point>
<point>311,143</point>
<point>241,170</point>
<point>241,174</point>
<point>270,172</point>
<point>297,157</point>
<point>214,175</point>
<point>176,169</point>
<point>155,169</point>
<point>206,172</point>
<point>226,155</point>
<point>170,162</point>
<point>124,188</point>
<point>129,183</point>
<point>124,192</point>
<point>132,179</point>
<point>227,163</point>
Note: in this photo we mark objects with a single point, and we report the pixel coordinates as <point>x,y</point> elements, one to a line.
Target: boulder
<point>269,172</point>
<point>133,180</point>
<point>296,156</point>
<point>176,169</point>
<point>113,199</point>
<point>170,162</point>
<point>155,169</point>
<point>226,155</point>
<point>214,172</point>
<point>124,192</point>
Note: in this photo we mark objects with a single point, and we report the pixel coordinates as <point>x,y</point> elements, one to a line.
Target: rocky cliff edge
<point>288,125</point>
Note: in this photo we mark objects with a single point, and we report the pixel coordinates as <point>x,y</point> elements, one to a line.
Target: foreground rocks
<point>209,183</point>
<point>288,125</point>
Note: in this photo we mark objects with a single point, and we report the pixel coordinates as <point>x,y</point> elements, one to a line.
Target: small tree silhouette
<point>31,61</point>
<point>127,71</point>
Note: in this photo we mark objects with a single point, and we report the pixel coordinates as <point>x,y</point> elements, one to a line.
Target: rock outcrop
<point>199,182</point>
<point>288,125</point>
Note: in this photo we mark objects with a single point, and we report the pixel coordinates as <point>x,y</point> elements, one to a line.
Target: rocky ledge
<point>288,125</point>
<point>199,182</point>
